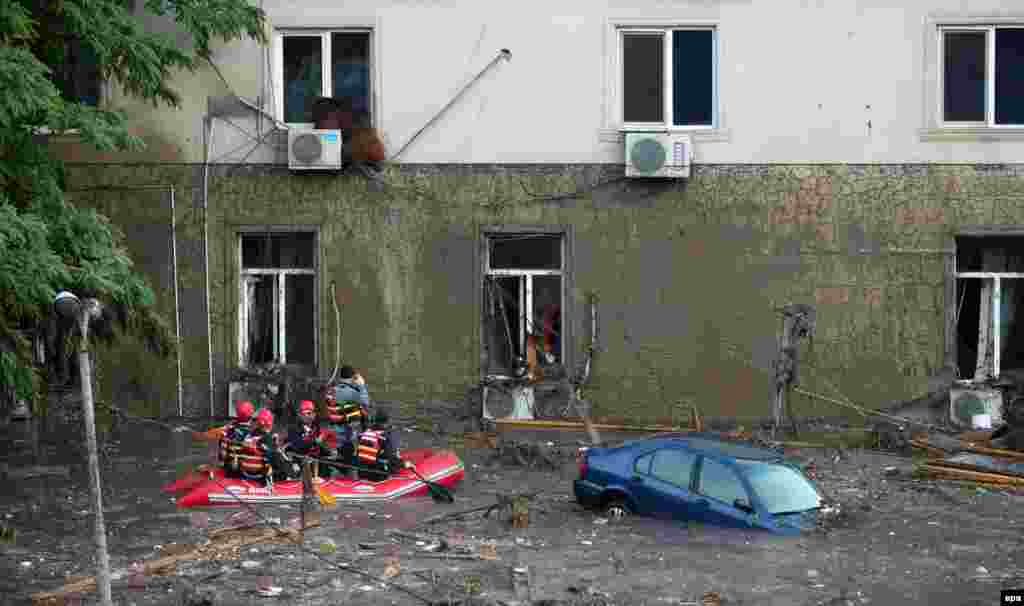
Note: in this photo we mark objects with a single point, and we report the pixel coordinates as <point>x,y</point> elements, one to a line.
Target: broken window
<point>990,305</point>
<point>523,294</point>
<point>278,295</point>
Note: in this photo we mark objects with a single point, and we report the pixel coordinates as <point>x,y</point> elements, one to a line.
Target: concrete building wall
<point>686,274</point>
<point>798,81</point>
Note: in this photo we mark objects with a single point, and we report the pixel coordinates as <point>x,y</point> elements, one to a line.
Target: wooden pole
<point>89,310</point>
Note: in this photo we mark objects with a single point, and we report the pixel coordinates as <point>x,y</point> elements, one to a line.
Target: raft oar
<point>437,492</point>
<point>210,435</point>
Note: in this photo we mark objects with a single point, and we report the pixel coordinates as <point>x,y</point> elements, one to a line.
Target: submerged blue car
<point>698,478</point>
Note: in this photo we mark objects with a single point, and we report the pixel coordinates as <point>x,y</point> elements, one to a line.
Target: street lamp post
<point>69,306</point>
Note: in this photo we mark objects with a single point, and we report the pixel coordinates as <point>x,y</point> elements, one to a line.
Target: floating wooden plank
<point>551,424</point>
<point>88,584</point>
<point>974,475</point>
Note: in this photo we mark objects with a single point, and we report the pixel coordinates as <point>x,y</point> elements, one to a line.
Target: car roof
<point>709,445</point>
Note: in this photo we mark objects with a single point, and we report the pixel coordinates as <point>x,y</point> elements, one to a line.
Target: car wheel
<point>617,509</point>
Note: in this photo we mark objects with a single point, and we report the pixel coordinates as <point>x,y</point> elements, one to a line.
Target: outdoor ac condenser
<point>658,154</point>
<point>314,149</point>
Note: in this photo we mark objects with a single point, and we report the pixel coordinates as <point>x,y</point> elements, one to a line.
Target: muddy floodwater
<point>896,541</point>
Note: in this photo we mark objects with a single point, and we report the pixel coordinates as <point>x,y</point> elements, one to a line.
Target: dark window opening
<point>300,296</point>
<point>526,251</point>
<point>350,69</point>
<point>643,81</point>
<point>262,321</point>
<point>522,294</point>
<point>1003,254</point>
<point>278,306</point>
<point>989,312</point>
<point>278,250</point>
<point>693,83</point>
<point>502,322</point>
<point>303,76</point>
<point>1009,77</point>
<point>75,69</point>
<point>964,76</point>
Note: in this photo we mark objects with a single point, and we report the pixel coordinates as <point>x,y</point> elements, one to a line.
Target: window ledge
<point>709,135</point>
<point>971,133</point>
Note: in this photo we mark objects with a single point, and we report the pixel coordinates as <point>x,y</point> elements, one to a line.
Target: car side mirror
<point>743,505</point>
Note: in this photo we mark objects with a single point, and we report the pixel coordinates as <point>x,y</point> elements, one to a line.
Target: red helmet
<point>244,410</point>
<point>265,418</point>
<point>306,406</point>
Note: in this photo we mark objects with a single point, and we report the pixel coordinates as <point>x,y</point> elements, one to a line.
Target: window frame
<point>699,476</point>
<point>694,467</point>
<point>997,278</point>
<point>277,75</point>
<point>990,73</point>
<point>526,297</point>
<point>665,30</point>
<point>280,274</point>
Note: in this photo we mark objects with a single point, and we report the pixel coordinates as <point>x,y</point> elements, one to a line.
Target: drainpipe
<point>207,146</point>
<point>177,310</point>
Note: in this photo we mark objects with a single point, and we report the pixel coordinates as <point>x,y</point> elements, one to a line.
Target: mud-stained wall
<point>686,273</point>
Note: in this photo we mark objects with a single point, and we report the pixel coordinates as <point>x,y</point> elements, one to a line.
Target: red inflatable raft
<point>211,488</point>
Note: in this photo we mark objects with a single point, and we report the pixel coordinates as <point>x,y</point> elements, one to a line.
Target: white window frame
<point>997,278</point>
<point>990,72</point>
<point>325,47</point>
<point>526,293</point>
<point>666,32</point>
<point>281,277</point>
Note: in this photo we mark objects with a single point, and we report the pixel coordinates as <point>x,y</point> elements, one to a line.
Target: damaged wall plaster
<point>687,276</point>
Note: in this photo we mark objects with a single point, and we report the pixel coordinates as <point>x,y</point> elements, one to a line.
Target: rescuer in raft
<point>306,438</point>
<point>261,458</point>
<point>378,452</point>
<point>234,434</point>
<point>347,404</point>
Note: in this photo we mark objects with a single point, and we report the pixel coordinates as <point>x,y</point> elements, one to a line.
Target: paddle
<point>437,492</point>
<point>210,435</point>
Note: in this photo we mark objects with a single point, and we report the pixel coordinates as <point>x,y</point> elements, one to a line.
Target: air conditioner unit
<point>658,154</point>
<point>314,149</point>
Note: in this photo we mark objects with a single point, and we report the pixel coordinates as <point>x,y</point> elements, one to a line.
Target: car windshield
<point>782,489</point>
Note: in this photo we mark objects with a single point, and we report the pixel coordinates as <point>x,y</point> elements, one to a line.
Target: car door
<point>718,488</point>
<point>666,485</point>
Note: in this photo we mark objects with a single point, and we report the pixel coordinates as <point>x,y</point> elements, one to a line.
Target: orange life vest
<point>250,458</point>
<point>370,445</point>
<point>343,412</point>
<point>231,445</point>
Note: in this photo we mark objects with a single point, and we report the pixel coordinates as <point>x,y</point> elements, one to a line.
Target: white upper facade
<point>753,81</point>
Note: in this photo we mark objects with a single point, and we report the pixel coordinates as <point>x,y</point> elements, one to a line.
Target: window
<point>523,294</point>
<point>989,314</point>
<point>983,75</point>
<point>780,488</point>
<point>668,77</point>
<point>674,466</point>
<point>75,70</point>
<point>313,64</point>
<point>278,298</point>
<point>720,483</point>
